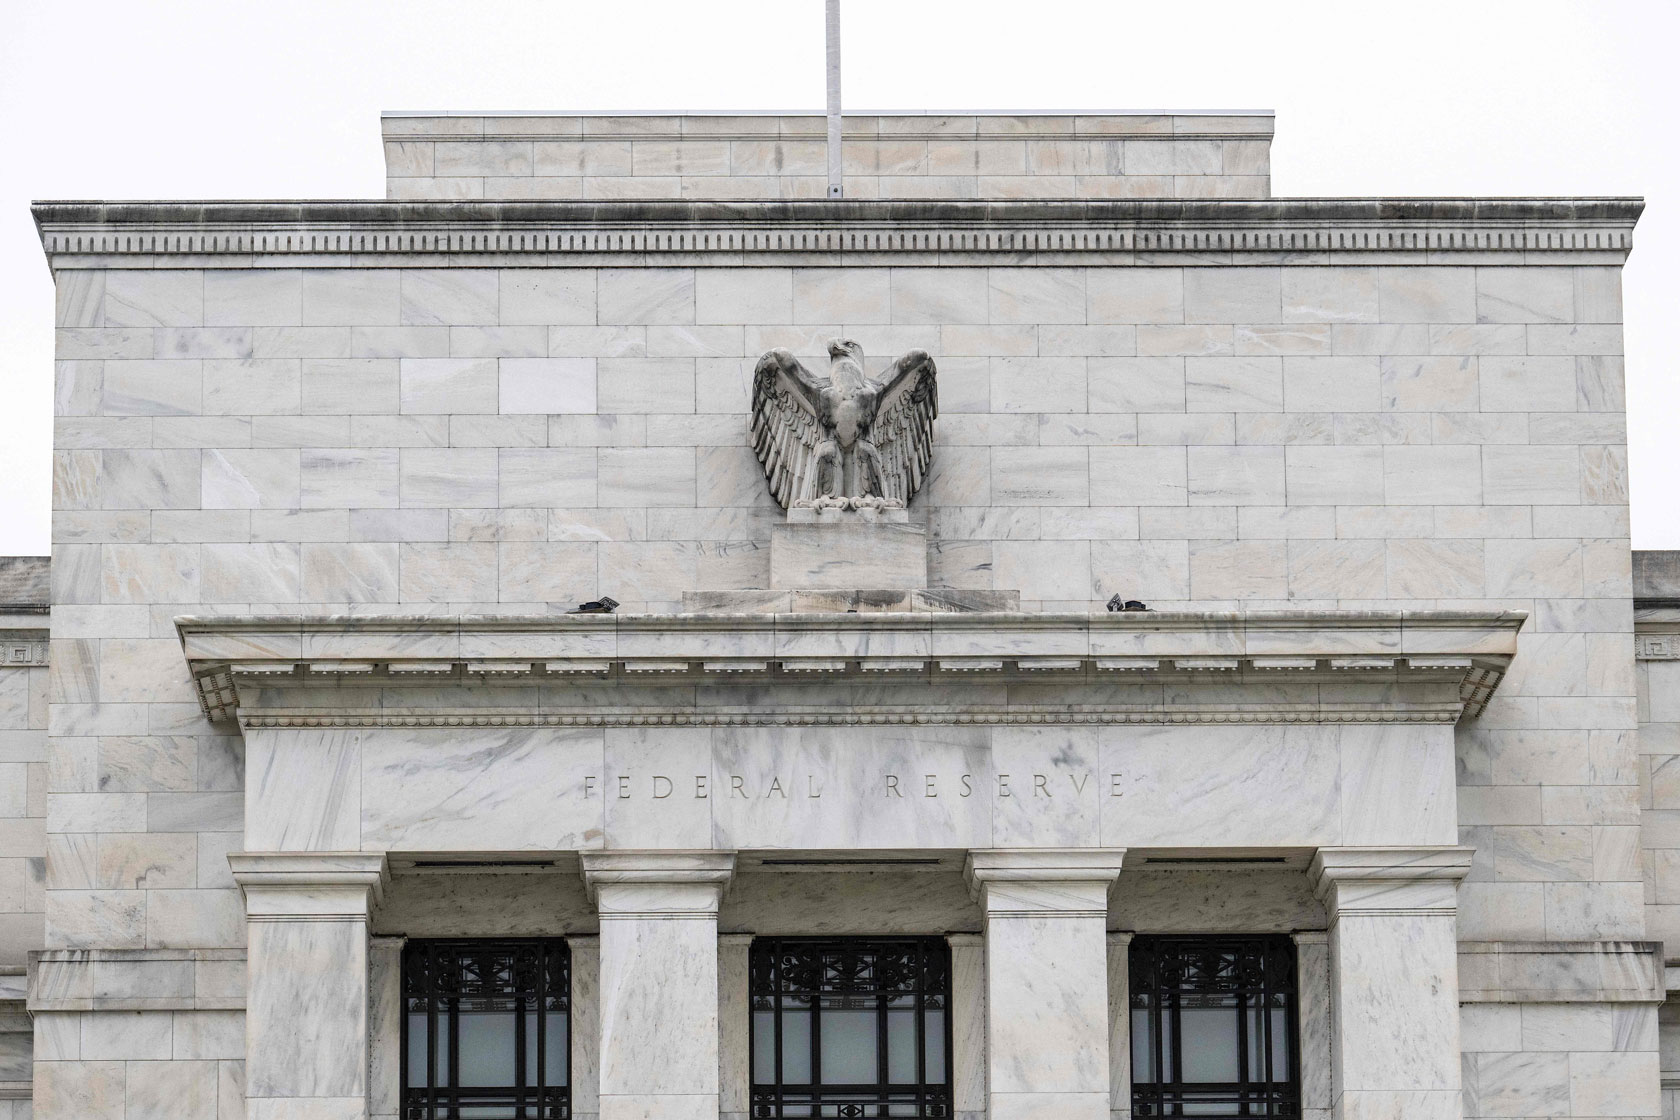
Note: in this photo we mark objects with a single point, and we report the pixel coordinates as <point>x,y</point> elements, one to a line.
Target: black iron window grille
<point>486,1030</point>
<point>1213,1023</point>
<point>851,1027</point>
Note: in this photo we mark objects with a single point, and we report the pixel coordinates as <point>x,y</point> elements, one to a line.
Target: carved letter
<point>811,789</point>
<point>624,785</point>
<point>737,784</point>
<point>931,787</point>
<point>1003,786</point>
<point>657,778</point>
<point>776,787</point>
<point>699,787</point>
<point>892,785</point>
<point>968,786</point>
<point>589,785</point>
<point>1041,784</point>
<point>1114,785</point>
<point>1078,786</point>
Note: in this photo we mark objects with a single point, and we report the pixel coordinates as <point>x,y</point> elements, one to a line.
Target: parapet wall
<point>449,156</point>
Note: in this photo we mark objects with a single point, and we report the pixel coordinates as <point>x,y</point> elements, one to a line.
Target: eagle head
<point>845,348</point>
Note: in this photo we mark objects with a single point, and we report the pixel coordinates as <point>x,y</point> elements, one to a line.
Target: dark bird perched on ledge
<point>603,605</point>
<point>1118,604</point>
<point>845,441</point>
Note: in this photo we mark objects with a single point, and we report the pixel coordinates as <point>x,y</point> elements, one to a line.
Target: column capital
<point>1043,865</point>
<point>309,886</point>
<point>638,884</point>
<point>1389,880</point>
<point>1028,882</point>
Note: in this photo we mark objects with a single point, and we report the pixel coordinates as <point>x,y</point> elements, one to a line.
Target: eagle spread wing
<point>785,432</point>
<point>903,428</point>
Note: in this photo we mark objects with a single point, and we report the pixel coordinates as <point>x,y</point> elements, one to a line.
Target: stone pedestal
<point>306,995</point>
<point>848,549</point>
<point>1393,979</point>
<point>1047,1026</point>
<point>659,981</point>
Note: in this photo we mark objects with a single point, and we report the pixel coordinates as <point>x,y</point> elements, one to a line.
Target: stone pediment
<point>908,667</point>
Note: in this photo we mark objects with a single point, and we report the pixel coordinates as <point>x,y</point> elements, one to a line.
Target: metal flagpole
<point>835,185</point>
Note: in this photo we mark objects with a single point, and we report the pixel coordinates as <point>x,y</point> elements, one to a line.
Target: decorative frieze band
<point>675,717</point>
<point>1657,647</point>
<point>561,233</point>
<point>21,649</point>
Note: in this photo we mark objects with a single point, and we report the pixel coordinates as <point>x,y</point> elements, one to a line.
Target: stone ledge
<point>137,980</point>
<point>1435,665</point>
<point>734,124</point>
<point>1560,972</point>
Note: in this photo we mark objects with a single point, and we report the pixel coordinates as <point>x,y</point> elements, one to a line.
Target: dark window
<point>486,1030</point>
<point>851,1027</point>
<point>1213,1027</point>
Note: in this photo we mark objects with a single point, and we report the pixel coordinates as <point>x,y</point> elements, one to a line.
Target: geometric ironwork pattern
<point>851,1027</point>
<point>486,1029</point>
<point>1213,1025</point>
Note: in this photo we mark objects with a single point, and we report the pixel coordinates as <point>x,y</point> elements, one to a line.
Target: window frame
<point>1164,1095</point>
<point>932,1100</point>
<point>538,1101</point>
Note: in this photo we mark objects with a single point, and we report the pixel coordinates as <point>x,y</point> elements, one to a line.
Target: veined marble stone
<point>845,549</point>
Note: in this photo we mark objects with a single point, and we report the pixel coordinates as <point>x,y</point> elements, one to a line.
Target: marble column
<point>1393,979</point>
<point>306,987</point>
<point>385,1009</point>
<point>659,981</point>
<point>586,1025</point>
<point>1046,980</point>
<point>1120,1025</point>
<point>968,1024</point>
<point>734,1026</point>
<point>1312,988</point>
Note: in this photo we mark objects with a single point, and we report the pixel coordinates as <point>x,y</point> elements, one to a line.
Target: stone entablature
<point>1304,666</point>
<point>646,234</point>
<point>774,155</point>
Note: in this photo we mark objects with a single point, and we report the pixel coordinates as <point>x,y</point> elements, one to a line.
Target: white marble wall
<point>397,440</point>
<point>1184,155</point>
<point>1561,1059</point>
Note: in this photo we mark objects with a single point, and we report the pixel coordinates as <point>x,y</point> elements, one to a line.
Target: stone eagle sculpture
<point>845,441</point>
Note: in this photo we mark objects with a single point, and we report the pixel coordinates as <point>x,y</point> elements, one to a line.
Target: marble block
<point>843,551</point>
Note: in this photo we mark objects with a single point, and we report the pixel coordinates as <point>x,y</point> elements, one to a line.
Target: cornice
<point>338,234</point>
<point>287,659</point>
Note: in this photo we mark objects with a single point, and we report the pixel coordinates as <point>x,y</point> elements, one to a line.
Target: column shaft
<point>1046,980</point>
<point>385,1014</point>
<point>659,981</point>
<point>1120,1025</point>
<point>1312,987</point>
<point>306,996</point>
<point>1394,980</point>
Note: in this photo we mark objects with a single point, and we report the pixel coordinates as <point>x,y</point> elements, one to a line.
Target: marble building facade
<point>327,474</point>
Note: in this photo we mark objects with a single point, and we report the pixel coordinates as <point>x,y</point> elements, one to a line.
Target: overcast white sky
<point>281,99</point>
